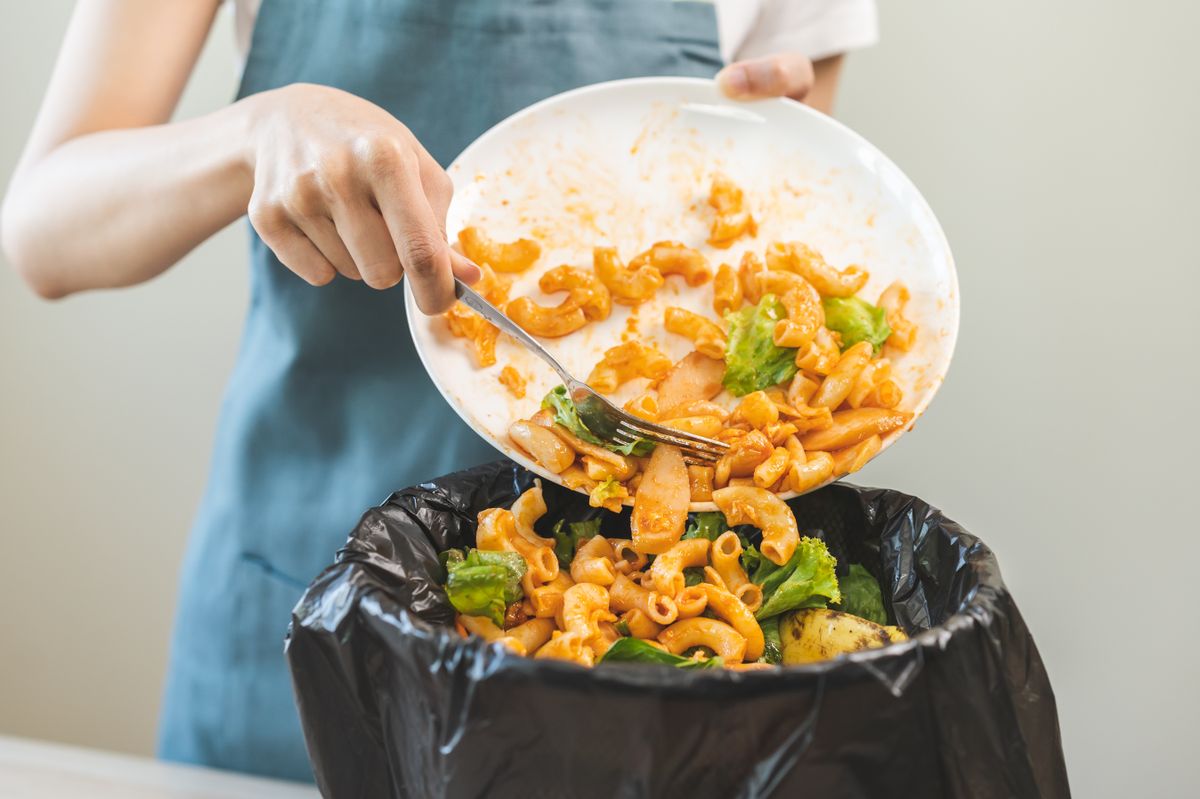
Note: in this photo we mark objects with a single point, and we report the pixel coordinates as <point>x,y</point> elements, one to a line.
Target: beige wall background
<point>1058,144</point>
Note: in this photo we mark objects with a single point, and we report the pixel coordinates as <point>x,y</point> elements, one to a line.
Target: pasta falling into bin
<point>808,358</point>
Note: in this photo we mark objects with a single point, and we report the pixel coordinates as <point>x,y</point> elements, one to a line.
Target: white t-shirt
<point>747,28</point>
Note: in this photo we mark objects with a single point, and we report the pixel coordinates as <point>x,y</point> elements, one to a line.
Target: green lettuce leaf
<point>807,580</point>
<point>484,583</point>
<point>607,491</point>
<point>861,595</point>
<point>568,540</point>
<point>639,447</point>
<point>856,320</point>
<point>711,525</point>
<point>693,575</point>
<point>752,361</point>
<point>448,557</point>
<point>707,524</point>
<point>635,650</point>
<point>772,643</point>
<point>755,564</point>
<point>559,401</point>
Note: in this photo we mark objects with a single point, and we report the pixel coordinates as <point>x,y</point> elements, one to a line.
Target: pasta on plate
<point>793,369</point>
<point>752,596</point>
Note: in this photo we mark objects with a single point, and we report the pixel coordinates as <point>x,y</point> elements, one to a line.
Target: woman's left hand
<point>782,75</point>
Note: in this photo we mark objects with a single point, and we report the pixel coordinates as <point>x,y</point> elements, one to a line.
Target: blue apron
<point>328,408</point>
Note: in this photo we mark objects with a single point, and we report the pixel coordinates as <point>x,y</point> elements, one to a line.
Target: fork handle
<point>473,300</point>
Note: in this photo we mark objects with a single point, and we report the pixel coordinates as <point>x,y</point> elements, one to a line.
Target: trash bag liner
<point>395,703</point>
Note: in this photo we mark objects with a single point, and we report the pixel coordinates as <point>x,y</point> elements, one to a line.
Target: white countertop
<point>40,770</point>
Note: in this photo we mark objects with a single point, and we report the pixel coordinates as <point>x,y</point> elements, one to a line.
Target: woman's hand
<point>342,187</point>
<point>782,75</point>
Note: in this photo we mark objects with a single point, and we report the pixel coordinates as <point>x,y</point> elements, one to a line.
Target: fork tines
<point>694,447</point>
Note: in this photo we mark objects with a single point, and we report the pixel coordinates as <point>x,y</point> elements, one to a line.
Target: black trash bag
<point>395,703</point>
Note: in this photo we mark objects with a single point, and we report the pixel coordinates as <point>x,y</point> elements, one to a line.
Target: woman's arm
<point>107,194</point>
<point>110,193</point>
<point>826,74</point>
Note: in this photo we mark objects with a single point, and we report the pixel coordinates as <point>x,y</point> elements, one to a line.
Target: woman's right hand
<point>343,187</point>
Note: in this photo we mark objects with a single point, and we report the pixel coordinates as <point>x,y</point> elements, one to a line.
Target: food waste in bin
<point>711,599</point>
<point>395,701</point>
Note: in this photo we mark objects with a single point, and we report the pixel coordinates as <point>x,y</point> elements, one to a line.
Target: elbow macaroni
<point>727,291</point>
<point>583,289</point>
<point>547,599</point>
<point>733,612</point>
<point>667,570</point>
<point>627,595</point>
<point>700,631</point>
<point>624,362</point>
<point>821,355</point>
<point>515,256</point>
<point>726,563</point>
<point>733,220</point>
<point>584,606</point>
<point>539,320</point>
<point>528,508</point>
<point>640,625</point>
<point>593,562</point>
<point>767,512</point>
<point>893,301</point>
<point>513,381</point>
<point>700,482</point>
<point>691,601</point>
<point>628,286</point>
<point>707,335</point>
<point>567,646</point>
<point>808,263</point>
<point>673,258</point>
<point>840,381</point>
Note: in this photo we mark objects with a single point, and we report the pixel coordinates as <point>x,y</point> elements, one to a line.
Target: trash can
<point>394,703</point>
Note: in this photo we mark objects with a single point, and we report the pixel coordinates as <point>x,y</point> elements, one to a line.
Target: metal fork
<point>605,420</point>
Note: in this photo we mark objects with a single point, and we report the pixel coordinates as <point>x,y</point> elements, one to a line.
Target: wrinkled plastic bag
<point>395,703</point>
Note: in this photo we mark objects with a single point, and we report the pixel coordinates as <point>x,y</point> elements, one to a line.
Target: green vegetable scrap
<point>635,650</point>
<point>709,524</point>
<point>483,583</point>
<point>807,580</point>
<point>568,540</point>
<point>861,595</point>
<point>606,491</point>
<point>772,643</point>
<point>559,401</point>
<point>752,361</point>
<point>856,320</point>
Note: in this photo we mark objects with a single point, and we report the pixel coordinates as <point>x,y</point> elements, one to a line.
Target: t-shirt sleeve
<point>816,28</point>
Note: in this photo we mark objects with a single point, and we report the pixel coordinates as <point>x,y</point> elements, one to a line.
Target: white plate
<point>628,163</point>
